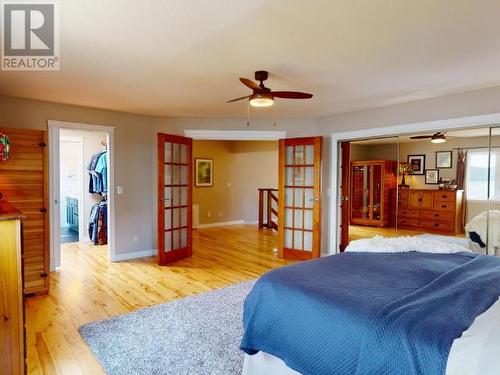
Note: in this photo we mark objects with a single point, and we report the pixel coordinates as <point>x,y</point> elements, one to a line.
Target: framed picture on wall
<point>417,164</point>
<point>443,159</point>
<point>431,176</point>
<point>204,172</point>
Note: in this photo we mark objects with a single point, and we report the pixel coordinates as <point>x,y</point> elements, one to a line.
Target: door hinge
<point>43,210</point>
<point>42,144</point>
<point>44,274</point>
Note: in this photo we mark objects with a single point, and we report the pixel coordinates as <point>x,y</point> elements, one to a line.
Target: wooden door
<point>300,198</point>
<point>174,198</point>
<point>427,200</point>
<point>414,200</point>
<point>24,183</point>
<point>345,195</point>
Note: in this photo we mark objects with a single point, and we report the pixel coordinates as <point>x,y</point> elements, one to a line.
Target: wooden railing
<point>268,208</point>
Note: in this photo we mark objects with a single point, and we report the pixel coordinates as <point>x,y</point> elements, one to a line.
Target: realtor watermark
<point>30,35</point>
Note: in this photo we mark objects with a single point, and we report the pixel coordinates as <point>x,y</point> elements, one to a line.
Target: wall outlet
<point>135,238</point>
<point>119,189</point>
<point>229,184</point>
<point>209,214</point>
<point>220,213</point>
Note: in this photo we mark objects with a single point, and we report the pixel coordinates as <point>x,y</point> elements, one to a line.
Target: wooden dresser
<point>429,210</point>
<point>12,337</point>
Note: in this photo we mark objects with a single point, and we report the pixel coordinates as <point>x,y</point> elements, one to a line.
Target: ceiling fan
<point>262,96</point>
<point>438,137</point>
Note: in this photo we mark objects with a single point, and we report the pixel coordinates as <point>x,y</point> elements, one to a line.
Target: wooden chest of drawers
<point>429,210</point>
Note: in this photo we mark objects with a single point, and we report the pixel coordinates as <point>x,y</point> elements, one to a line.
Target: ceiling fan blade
<point>291,95</point>
<point>421,137</point>
<point>249,83</point>
<point>235,100</point>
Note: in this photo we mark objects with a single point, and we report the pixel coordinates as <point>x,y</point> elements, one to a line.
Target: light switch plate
<point>119,189</point>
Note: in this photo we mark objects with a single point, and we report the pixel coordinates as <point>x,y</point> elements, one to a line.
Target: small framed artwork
<point>443,159</point>
<point>431,176</point>
<point>417,164</point>
<point>204,172</point>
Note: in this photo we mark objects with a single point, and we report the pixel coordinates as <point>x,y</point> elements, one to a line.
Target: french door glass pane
<point>168,152</point>
<point>288,238</point>
<point>310,154</point>
<point>308,241</point>
<point>308,219</point>
<point>297,239</point>
<point>298,197</point>
<point>176,238</point>
<point>309,176</point>
<point>288,217</point>
<point>288,197</point>
<point>297,219</point>
<point>288,176</point>
<point>183,171</point>
<point>176,218</point>
<point>176,153</point>
<point>183,154</point>
<point>183,217</point>
<point>168,198</point>
<point>299,155</point>
<point>289,155</point>
<point>168,241</point>
<point>183,238</point>
<point>168,219</point>
<point>309,197</point>
<point>168,174</point>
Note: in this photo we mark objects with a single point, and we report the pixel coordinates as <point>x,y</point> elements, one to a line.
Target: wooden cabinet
<point>371,184</point>
<point>12,353</point>
<point>430,210</point>
<point>24,184</point>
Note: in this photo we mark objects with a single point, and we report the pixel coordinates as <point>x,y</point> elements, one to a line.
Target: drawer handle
<point>436,215</point>
<point>436,225</point>
<point>443,206</point>
<point>444,196</point>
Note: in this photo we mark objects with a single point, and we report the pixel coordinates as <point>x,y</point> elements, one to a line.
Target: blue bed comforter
<point>366,313</point>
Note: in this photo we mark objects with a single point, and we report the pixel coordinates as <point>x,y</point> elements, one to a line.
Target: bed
<point>399,312</point>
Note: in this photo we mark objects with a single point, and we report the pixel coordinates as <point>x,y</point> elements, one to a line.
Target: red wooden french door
<point>299,224</point>
<point>345,206</point>
<point>175,228</point>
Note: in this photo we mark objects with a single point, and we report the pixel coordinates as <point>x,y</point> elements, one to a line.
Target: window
<point>477,175</point>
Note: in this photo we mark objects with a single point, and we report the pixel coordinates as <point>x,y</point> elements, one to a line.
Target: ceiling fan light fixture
<point>261,100</point>
<point>438,139</point>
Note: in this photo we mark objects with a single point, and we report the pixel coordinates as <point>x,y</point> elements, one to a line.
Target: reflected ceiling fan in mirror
<point>263,96</point>
<point>438,137</point>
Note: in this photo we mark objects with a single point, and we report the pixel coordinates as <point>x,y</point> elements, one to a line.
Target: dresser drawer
<point>444,206</point>
<point>405,222</point>
<point>437,216</point>
<point>408,214</point>
<point>444,196</point>
<point>442,226</point>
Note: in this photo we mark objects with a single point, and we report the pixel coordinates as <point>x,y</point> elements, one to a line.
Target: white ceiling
<point>183,57</point>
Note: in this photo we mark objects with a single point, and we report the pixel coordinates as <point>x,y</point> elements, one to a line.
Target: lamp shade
<point>4,147</point>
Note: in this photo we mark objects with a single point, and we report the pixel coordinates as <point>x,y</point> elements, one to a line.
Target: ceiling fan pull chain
<point>248,114</point>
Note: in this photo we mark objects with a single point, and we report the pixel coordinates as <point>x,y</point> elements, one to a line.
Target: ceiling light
<point>261,100</point>
<point>439,138</point>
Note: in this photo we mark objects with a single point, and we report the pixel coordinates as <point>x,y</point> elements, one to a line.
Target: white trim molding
<point>135,255</point>
<point>236,135</point>
<point>54,127</point>
<point>220,224</point>
<point>468,122</point>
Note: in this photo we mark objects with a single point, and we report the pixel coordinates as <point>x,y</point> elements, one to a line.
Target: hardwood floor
<point>88,287</point>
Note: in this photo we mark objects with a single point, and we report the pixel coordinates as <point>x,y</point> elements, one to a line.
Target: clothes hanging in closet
<point>98,223</point>
<point>98,172</point>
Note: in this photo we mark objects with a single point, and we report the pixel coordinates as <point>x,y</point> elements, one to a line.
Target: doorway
<point>81,190</point>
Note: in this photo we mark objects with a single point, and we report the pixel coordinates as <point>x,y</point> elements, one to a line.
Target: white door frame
<point>481,121</point>
<point>54,185</point>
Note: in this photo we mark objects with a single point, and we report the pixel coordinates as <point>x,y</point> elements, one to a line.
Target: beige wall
<point>240,168</point>
<point>135,154</point>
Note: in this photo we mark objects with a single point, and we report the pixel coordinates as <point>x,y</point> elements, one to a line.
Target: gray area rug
<point>200,334</point>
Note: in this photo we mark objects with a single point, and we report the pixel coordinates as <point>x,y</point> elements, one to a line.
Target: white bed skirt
<point>476,352</point>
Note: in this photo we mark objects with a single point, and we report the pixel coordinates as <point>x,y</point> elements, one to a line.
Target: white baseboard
<point>134,255</point>
<point>221,224</point>
<point>252,222</point>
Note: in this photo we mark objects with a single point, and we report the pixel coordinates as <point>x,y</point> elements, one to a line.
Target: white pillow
<point>379,244</point>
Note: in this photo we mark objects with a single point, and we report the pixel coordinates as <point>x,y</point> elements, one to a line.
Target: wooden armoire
<point>371,184</point>
<point>24,184</point>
